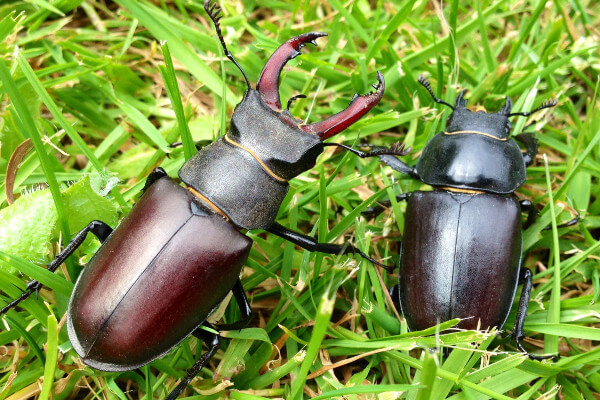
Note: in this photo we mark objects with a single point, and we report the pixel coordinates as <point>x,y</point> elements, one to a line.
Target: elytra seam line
<point>105,324</point>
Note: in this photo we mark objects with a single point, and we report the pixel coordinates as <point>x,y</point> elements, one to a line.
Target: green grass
<point>93,88</point>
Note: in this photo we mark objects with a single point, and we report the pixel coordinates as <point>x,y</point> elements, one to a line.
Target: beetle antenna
<point>214,12</point>
<point>425,82</point>
<point>545,104</point>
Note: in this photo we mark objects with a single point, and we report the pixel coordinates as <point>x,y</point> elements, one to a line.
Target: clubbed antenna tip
<point>425,82</point>
<point>214,12</point>
<point>545,104</point>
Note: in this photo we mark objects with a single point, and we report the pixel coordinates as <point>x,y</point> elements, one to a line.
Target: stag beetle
<point>461,250</point>
<point>180,251</point>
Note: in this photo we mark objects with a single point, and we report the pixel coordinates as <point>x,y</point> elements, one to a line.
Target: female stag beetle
<point>180,251</point>
<point>462,242</point>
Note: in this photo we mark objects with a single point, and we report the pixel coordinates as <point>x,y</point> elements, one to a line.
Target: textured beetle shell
<point>232,179</point>
<point>472,161</point>
<point>461,255</point>
<point>155,279</point>
<point>236,183</point>
<point>285,149</point>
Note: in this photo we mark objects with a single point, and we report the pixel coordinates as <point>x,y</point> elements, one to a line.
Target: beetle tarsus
<point>359,106</point>
<point>397,149</point>
<point>527,206</point>
<point>519,341</point>
<point>374,211</point>
<point>571,222</point>
<point>518,333</point>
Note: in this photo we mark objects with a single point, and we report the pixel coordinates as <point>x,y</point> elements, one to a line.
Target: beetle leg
<point>531,146</point>
<point>392,161</point>
<point>518,333</point>
<point>268,83</point>
<point>212,341</point>
<point>98,228</point>
<point>311,244</point>
<point>571,222</point>
<point>358,107</point>
<point>155,175</point>
<point>397,149</point>
<point>527,206</point>
<point>372,212</point>
<point>242,301</point>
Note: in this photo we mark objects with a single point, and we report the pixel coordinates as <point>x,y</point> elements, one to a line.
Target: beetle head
<point>490,124</point>
<point>268,83</point>
<point>494,124</point>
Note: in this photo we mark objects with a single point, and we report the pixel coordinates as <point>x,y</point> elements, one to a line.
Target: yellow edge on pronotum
<point>477,133</point>
<point>262,164</point>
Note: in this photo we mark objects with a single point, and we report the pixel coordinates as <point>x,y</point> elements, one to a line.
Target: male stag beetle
<point>462,242</point>
<point>180,251</point>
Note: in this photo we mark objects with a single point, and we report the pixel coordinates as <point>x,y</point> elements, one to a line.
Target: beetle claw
<point>359,106</point>
<point>268,87</point>
<point>268,83</point>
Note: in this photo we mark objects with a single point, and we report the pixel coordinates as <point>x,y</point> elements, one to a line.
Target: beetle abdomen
<point>461,255</point>
<point>155,279</point>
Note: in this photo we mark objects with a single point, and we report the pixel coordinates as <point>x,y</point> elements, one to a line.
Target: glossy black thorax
<point>475,152</point>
